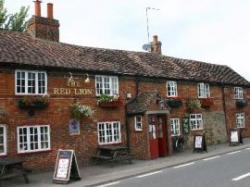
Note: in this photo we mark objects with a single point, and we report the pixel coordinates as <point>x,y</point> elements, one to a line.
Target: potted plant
<point>109,101</point>
<point>206,102</point>
<point>174,102</point>
<point>32,103</point>
<point>241,103</point>
<point>79,111</point>
<point>193,104</point>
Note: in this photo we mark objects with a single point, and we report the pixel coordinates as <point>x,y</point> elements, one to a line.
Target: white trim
<point>135,120</point>
<point>240,117</point>
<point>28,138</point>
<point>179,126</point>
<point>36,82</point>
<point>173,84</point>
<point>238,93</point>
<point>203,90</point>
<point>111,89</point>
<point>196,120</point>
<point>105,134</point>
<point>4,139</point>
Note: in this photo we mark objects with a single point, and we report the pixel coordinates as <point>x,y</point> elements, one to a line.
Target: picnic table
<point>11,168</point>
<point>113,154</point>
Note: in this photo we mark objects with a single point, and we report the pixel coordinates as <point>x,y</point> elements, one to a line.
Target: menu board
<point>66,167</point>
<point>200,143</point>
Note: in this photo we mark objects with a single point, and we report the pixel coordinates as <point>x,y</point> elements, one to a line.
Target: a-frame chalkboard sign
<point>66,167</point>
<point>200,143</point>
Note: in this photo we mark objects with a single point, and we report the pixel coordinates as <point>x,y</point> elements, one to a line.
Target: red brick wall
<point>57,115</point>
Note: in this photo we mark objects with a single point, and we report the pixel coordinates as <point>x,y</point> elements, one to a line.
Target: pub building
<point>55,95</point>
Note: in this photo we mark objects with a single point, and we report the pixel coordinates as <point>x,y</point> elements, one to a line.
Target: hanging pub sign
<point>66,167</point>
<point>200,143</point>
<point>234,137</point>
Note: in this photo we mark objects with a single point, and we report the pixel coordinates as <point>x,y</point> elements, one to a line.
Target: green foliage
<point>193,104</point>
<point>13,22</point>
<point>105,99</point>
<point>79,111</point>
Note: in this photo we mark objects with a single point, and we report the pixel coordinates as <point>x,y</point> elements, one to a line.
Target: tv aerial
<point>147,46</point>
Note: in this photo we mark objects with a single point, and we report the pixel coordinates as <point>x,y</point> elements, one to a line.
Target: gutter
<point>224,108</point>
<point>126,113</point>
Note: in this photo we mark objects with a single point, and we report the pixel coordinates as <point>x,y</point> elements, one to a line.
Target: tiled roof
<point>21,48</point>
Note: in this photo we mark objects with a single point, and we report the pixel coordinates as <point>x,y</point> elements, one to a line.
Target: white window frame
<point>4,139</point>
<point>197,120</point>
<point>138,122</point>
<point>238,93</point>
<point>172,89</point>
<point>29,141</point>
<point>203,90</point>
<point>36,82</point>
<point>175,126</point>
<point>113,85</point>
<point>106,123</point>
<point>240,120</point>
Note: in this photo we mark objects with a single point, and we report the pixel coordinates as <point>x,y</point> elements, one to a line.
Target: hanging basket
<point>174,102</point>
<point>241,103</point>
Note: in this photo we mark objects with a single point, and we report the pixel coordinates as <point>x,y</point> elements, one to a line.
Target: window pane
<point>31,82</point>
<point>41,83</point>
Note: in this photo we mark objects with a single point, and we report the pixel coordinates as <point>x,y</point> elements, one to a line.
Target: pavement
<point>102,174</point>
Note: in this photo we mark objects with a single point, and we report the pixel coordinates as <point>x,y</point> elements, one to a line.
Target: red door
<point>162,136</point>
<point>153,139</point>
<point>157,136</point>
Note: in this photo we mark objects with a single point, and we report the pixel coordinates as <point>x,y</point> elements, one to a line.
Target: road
<point>228,170</point>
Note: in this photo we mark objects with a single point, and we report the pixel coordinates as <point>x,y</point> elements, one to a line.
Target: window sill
<point>34,152</point>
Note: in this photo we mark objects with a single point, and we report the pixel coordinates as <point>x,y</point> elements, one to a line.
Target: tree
<point>13,22</point>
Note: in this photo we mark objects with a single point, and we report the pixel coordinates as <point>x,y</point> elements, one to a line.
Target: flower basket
<point>206,102</point>
<point>32,103</point>
<point>193,105</point>
<point>79,111</point>
<point>174,102</point>
<point>241,103</point>
<point>109,101</point>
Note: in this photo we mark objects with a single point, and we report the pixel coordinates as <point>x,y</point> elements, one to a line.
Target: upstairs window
<point>196,122</point>
<point>238,93</point>
<point>30,82</point>
<point>3,140</point>
<point>107,85</point>
<point>172,89</point>
<point>240,120</point>
<point>203,90</point>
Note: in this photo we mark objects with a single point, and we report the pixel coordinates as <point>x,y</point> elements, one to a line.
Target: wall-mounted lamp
<point>72,80</point>
<point>86,80</point>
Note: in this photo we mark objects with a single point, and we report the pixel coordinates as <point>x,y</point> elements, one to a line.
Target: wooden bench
<point>12,169</point>
<point>112,154</point>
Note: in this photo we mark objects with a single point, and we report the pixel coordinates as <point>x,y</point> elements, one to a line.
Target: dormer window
<point>238,93</point>
<point>203,90</point>
<point>172,89</point>
<point>107,85</point>
<point>30,82</point>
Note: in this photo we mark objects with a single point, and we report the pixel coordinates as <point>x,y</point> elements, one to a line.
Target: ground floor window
<point>109,132</point>
<point>196,122</point>
<point>240,120</point>
<point>3,140</point>
<point>138,123</point>
<point>33,138</point>
<point>175,126</point>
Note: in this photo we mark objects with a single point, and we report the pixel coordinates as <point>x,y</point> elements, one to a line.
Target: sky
<point>214,31</point>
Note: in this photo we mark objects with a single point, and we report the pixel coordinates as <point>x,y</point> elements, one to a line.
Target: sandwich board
<point>66,167</point>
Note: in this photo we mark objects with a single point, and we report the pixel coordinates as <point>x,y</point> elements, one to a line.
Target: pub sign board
<point>66,167</point>
<point>199,143</point>
<point>234,137</point>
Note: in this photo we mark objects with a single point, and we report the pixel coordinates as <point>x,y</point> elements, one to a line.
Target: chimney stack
<point>37,8</point>
<point>43,27</point>
<point>156,45</point>
<point>50,11</point>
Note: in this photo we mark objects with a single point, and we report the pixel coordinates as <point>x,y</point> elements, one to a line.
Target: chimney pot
<point>50,11</point>
<point>156,45</point>
<point>37,8</point>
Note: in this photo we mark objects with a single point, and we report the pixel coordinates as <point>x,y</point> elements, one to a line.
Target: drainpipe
<point>224,108</point>
<point>126,113</point>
